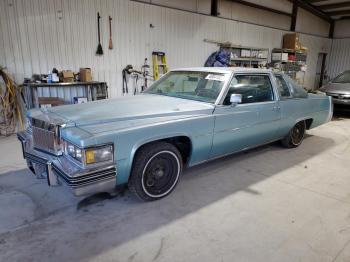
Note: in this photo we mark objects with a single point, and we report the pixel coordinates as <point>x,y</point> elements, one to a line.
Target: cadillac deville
<point>187,117</point>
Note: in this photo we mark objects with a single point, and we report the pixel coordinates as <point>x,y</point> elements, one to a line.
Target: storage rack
<point>67,91</point>
<point>244,56</point>
<point>294,64</point>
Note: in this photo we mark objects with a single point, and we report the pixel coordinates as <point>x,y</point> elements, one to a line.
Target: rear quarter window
<point>296,90</point>
<point>283,87</point>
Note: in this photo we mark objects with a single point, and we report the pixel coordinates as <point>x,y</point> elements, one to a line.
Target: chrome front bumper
<point>59,170</point>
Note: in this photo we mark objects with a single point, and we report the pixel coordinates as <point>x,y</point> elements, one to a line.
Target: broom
<point>99,50</point>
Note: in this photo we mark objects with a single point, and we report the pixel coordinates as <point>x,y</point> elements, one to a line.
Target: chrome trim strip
<point>224,89</point>
<point>52,179</point>
<point>331,109</point>
<point>83,181</point>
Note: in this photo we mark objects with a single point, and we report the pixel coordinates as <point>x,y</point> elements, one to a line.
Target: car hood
<point>128,112</point>
<point>338,88</point>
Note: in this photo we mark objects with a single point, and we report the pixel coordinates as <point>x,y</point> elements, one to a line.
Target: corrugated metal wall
<point>37,35</point>
<point>339,58</point>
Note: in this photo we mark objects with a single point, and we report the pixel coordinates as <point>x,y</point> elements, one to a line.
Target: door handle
<point>276,108</point>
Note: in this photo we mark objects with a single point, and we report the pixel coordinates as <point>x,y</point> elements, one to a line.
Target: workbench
<point>67,91</point>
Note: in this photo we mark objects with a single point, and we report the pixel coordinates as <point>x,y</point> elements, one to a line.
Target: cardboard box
<point>67,76</point>
<point>50,101</point>
<point>291,41</point>
<point>280,57</point>
<point>85,75</point>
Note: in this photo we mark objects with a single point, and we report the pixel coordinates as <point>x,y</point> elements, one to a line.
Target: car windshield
<point>199,86</point>
<point>342,78</point>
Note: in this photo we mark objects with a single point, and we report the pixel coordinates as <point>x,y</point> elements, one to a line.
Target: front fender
<point>198,130</point>
<point>153,139</point>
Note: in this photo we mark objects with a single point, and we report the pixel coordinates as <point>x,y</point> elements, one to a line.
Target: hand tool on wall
<point>99,50</point>
<point>145,73</point>
<point>126,74</point>
<point>110,46</point>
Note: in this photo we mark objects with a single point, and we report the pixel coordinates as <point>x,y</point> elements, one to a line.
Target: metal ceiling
<point>335,9</point>
<point>328,10</point>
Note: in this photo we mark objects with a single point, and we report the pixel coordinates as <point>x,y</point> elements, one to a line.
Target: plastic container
<point>49,77</point>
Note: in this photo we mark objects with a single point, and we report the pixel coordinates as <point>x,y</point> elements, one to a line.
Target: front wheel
<point>295,135</point>
<point>156,170</point>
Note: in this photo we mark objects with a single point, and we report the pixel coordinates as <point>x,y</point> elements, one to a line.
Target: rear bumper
<point>59,170</point>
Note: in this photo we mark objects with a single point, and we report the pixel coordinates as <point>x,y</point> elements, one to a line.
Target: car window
<point>200,86</point>
<point>253,88</point>
<point>296,90</point>
<point>282,86</point>
<point>342,78</point>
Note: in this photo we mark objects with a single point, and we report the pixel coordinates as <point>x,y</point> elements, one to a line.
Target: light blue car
<point>188,117</point>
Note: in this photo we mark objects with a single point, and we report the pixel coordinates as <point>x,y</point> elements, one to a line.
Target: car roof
<point>225,70</point>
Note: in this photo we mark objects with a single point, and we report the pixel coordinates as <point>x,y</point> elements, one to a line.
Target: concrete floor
<point>269,204</point>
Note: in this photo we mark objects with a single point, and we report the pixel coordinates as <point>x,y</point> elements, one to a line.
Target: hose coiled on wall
<point>11,109</point>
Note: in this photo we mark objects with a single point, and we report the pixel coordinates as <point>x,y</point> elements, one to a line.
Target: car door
<point>251,123</point>
<point>292,103</point>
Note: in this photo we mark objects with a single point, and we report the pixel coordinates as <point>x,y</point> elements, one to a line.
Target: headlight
<point>90,155</point>
<point>73,151</point>
<point>99,154</point>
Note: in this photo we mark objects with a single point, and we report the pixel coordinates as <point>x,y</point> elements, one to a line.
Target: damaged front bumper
<point>59,170</point>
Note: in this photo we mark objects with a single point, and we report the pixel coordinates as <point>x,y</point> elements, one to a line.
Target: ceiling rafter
<point>242,2</point>
<point>315,1</point>
<point>312,9</point>
<point>334,6</point>
<point>340,12</point>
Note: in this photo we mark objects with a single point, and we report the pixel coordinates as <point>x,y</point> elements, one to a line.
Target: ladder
<point>160,66</point>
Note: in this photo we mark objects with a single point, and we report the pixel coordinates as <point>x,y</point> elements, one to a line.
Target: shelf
<point>279,61</point>
<point>231,45</point>
<point>64,84</point>
<point>248,59</point>
<point>290,51</point>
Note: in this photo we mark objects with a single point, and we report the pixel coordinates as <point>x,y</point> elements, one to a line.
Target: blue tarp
<point>219,58</point>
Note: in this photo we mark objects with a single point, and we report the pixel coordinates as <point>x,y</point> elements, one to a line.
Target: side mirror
<point>235,99</point>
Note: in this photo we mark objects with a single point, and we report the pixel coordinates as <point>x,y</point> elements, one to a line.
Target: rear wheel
<point>295,136</point>
<point>156,170</point>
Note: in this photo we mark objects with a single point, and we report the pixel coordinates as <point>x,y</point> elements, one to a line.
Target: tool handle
<point>98,26</point>
<point>110,27</point>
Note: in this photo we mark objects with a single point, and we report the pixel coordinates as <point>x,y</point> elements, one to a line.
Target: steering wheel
<point>206,93</point>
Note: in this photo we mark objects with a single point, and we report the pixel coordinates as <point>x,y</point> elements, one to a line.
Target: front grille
<point>46,136</point>
<point>44,139</point>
